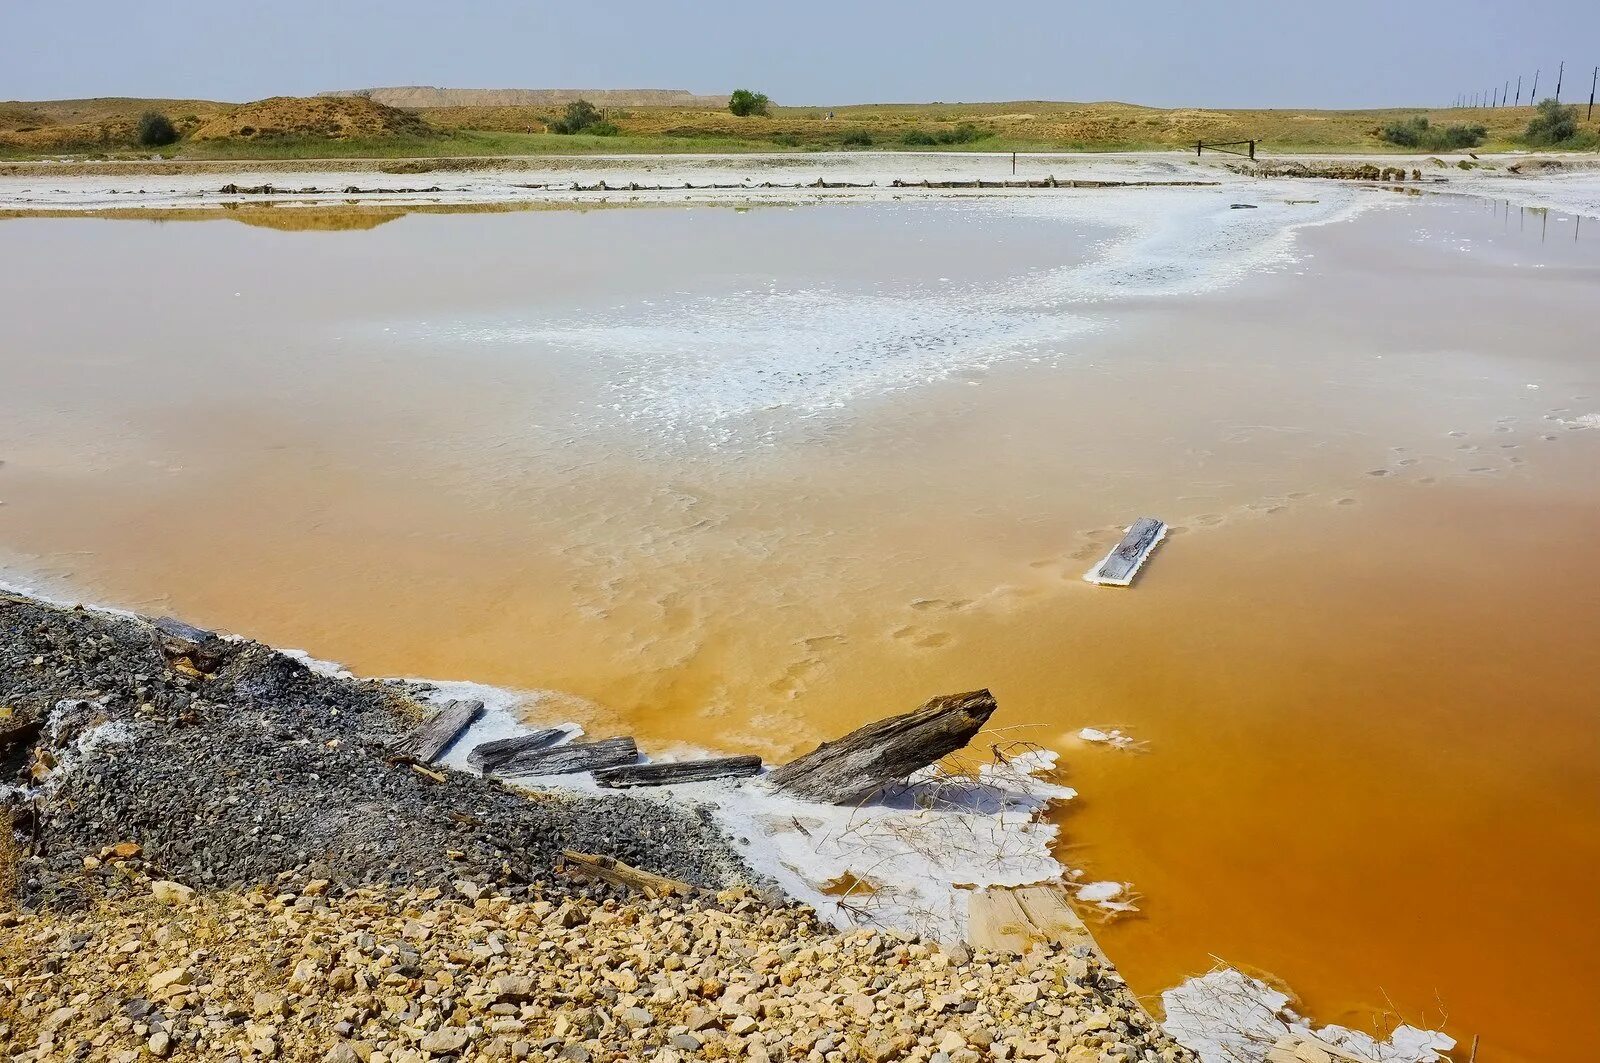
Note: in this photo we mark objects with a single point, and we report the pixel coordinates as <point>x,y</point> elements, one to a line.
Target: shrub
<point>965,133</point>
<point>745,103</point>
<point>857,138</point>
<point>581,116</point>
<point>154,130</point>
<point>1554,124</point>
<point>1417,132</point>
<point>786,140</point>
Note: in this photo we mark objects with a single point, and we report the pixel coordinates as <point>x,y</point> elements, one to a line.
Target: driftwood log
<point>570,758</point>
<point>683,771</point>
<point>610,869</point>
<point>435,734</point>
<point>487,755</point>
<point>856,767</point>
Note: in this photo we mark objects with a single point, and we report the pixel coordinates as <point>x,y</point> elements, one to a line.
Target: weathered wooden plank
<point>1122,564</point>
<point>486,755</point>
<point>570,758</point>
<point>680,772</point>
<point>1015,918</point>
<point>610,869</point>
<point>856,767</point>
<point>434,735</point>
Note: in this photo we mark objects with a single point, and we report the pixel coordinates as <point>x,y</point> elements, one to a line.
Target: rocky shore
<point>214,853</point>
<point>303,970</point>
<point>260,765</point>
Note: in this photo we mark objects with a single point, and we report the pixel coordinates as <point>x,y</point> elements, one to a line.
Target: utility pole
<point>1505,93</point>
<point>1519,90</point>
<point>1560,72</point>
<point>1594,79</point>
<point>1533,97</point>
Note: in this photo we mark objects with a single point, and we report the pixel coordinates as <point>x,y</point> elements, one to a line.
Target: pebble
<point>238,976</point>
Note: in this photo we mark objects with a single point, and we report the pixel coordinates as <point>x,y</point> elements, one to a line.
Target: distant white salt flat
<point>706,367</point>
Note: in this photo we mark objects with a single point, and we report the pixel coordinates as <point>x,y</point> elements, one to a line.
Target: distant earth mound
<point>421,97</point>
<point>336,118</point>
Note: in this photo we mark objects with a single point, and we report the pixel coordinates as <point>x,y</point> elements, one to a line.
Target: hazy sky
<point>1168,52</point>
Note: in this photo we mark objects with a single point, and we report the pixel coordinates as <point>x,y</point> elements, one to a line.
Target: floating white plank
<point>1118,568</point>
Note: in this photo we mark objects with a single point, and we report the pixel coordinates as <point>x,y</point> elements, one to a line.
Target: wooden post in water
<point>1013,164</point>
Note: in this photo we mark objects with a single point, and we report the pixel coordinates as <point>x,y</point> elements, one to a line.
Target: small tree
<point>154,130</point>
<point>1553,124</point>
<point>745,103</point>
<point>581,116</point>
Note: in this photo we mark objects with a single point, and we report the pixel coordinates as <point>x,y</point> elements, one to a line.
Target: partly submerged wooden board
<point>486,755</point>
<point>436,734</point>
<point>570,758</point>
<point>1118,568</point>
<point>1014,918</point>
<point>678,772</point>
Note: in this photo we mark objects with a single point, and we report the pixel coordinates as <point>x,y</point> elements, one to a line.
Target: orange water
<point>1365,663</point>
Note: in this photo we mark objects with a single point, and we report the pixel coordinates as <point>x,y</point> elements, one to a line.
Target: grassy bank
<point>295,129</point>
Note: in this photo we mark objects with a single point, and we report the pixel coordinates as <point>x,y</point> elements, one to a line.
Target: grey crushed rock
<point>265,767</point>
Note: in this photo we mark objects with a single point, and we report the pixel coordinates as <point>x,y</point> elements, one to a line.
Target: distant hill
<point>348,118</point>
<point>420,97</point>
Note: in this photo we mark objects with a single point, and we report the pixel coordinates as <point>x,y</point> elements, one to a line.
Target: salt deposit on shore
<point>1573,186</point>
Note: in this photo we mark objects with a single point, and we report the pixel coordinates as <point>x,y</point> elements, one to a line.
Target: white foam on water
<point>1228,1017</point>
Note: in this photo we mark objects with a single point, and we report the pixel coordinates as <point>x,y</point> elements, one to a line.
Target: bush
<point>745,103</point>
<point>965,133</point>
<point>857,138</point>
<point>154,130</point>
<point>581,116</point>
<point>1554,124</point>
<point>1417,132</point>
<point>786,140</point>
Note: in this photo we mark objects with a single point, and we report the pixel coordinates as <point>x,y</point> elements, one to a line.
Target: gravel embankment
<point>260,765</point>
<point>306,971</point>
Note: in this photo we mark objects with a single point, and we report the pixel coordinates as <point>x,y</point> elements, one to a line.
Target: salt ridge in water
<point>703,367</point>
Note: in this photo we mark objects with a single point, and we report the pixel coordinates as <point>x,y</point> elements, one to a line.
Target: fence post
<point>1199,147</point>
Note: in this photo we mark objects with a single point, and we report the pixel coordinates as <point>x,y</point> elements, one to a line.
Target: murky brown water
<point>729,476</point>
